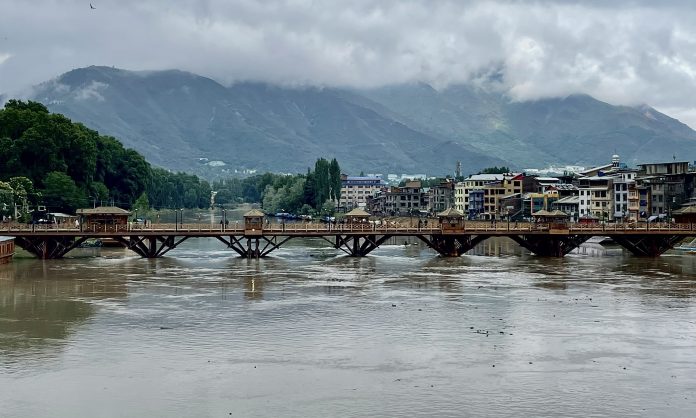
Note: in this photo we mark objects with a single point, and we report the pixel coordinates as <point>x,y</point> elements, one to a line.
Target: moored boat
<point>6,249</point>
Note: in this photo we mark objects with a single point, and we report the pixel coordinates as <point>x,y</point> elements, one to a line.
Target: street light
<point>176,220</point>
<point>182,218</point>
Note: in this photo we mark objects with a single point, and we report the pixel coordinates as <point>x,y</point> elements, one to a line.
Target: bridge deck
<point>321,230</point>
<point>52,241</point>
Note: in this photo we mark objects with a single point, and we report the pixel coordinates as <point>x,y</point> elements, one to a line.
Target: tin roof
<point>103,210</point>
<point>450,213</point>
<point>552,214</point>
<point>686,210</point>
<point>357,212</point>
<point>254,213</point>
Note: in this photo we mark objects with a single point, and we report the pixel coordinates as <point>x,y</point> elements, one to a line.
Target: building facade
<point>355,191</point>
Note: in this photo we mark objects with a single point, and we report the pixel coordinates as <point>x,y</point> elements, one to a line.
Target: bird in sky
<point>92,7</point>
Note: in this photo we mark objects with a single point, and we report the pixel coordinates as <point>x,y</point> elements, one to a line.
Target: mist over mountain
<point>182,121</point>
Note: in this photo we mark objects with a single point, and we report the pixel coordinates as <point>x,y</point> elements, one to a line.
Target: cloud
<point>4,57</point>
<point>623,52</point>
<point>91,91</point>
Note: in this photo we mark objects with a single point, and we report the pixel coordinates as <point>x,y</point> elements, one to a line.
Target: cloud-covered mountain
<point>178,119</point>
<point>577,129</point>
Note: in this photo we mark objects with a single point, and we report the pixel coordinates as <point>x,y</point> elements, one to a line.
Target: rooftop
<point>103,210</point>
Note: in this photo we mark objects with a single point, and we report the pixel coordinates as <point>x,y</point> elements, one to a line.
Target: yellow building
<point>495,186</point>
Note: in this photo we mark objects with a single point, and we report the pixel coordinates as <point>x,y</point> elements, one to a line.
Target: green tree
<point>335,180</point>
<point>495,170</point>
<point>322,182</point>
<point>6,199</point>
<point>61,193</point>
<point>99,194</point>
<point>142,203</point>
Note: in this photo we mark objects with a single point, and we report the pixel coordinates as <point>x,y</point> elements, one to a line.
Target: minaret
<point>615,161</point>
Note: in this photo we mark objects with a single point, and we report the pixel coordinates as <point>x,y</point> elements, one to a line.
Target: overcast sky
<point>620,51</point>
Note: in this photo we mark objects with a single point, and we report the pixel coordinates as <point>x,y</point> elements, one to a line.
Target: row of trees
<point>314,192</point>
<point>67,163</point>
<point>46,159</point>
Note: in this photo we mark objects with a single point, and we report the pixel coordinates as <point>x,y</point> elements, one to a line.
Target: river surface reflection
<point>309,332</point>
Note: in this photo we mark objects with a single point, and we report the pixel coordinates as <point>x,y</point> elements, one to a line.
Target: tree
<point>142,203</point>
<point>335,180</point>
<point>61,193</point>
<point>322,182</point>
<point>100,193</point>
<point>6,199</point>
<point>495,170</point>
<point>309,189</point>
<point>328,207</point>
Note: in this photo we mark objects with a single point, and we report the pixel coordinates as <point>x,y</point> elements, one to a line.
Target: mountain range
<point>183,121</point>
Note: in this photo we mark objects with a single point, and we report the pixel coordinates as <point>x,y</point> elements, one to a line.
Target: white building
<point>355,190</point>
<point>474,182</point>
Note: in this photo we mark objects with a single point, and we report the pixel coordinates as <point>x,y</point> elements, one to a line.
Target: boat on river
<point>689,248</point>
<point>6,249</point>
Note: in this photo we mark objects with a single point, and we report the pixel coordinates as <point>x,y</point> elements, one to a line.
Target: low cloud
<point>4,57</point>
<point>623,52</point>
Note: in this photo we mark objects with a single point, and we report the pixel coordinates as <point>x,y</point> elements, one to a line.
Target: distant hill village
<point>611,192</point>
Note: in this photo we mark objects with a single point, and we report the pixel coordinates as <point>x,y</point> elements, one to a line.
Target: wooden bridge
<point>642,239</point>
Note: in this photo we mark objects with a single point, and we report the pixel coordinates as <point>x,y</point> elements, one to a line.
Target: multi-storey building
<point>404,200</point>
<point>534,202</point>
<point>441,196</point>
<point>475,204</point>
<point>596,197</point>
<point>634,212</point>
<point>622,182</point>
<point>570,205</point>
<point>355,191</point>
<point>474,182</point>
<point>668,184</point>
<point>494,186</point>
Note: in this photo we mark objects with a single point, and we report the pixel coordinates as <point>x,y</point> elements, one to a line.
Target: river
<point>309,332</point>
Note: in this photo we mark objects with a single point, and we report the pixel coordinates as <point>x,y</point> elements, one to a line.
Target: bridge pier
<point>452,245</point>
<point>358,245</point>
<point>647,245</point>
<point>49,247</point>
<point>550,245</point>
<point>150,246</point>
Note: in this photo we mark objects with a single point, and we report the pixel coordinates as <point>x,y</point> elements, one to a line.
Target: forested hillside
<point>46,159</point>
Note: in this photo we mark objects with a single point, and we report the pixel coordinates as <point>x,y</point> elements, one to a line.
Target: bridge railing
<point>376,228</point>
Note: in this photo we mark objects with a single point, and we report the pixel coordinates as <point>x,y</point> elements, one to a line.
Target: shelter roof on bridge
<point>103,210</point>
<point>357,212</point>
<point>254,213</point>
<point>450,213</point>
<point>686,210</point>
<point>552,214</point>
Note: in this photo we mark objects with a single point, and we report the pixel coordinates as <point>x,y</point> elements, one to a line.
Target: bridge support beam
<point>452,245</point>
<point>151,246</point>
<point>647,245</point>
<point>48,247</point>
<point>358,245</point>
<point>253,246</point>
<point>550,245</point>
